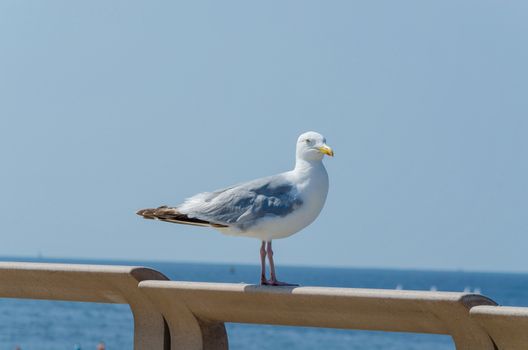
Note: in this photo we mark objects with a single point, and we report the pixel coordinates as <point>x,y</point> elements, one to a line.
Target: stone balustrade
<point>190,315</point>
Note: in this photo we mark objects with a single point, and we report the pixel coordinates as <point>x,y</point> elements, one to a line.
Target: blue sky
<point>108,107</point>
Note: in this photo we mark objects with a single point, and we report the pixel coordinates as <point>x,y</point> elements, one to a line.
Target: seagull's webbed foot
<point>275,282</point>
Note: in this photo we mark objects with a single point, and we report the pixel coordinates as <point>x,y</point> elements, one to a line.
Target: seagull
<point>268,208</point>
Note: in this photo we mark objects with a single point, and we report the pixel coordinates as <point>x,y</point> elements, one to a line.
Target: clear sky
<point>111,106</point>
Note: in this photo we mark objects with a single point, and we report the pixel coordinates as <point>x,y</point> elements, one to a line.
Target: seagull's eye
<point>308,140</point>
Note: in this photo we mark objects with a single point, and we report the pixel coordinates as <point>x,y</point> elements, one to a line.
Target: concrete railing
<point>507,326</point>
<point>90,283</point>
<point>188,306</point>
<point>186,315</point>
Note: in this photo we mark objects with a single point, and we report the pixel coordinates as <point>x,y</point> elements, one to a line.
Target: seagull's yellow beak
<point>326,150</point>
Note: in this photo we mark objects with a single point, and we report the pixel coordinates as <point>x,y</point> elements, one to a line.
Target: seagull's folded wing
<point>242,205</point>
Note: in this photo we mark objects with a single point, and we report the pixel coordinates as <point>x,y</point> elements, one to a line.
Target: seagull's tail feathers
<point>169,214</point>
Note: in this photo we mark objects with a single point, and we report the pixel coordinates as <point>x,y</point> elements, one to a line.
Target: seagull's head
<point>312,146</point>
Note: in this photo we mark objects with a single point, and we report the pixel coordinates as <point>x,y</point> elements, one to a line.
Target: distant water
<point>48,325</point>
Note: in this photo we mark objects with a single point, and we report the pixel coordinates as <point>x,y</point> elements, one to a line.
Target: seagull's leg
<point>263,280</point>
<point>273,278</point>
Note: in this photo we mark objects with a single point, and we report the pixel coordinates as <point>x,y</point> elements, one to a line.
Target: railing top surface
<point>73,282</point>
<point>179,287</point>
<point>82,268</point>
<point>508,311</point>
<point>375,309</point>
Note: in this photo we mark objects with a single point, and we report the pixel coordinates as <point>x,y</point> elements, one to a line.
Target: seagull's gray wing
<point>242,205</point>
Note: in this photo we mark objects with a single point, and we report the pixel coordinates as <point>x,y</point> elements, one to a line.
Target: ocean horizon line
<point>145,262</point>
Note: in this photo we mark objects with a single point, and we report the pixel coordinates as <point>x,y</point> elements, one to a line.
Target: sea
<point>57,325</point>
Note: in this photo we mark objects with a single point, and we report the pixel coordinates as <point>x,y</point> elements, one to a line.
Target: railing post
<point>186,330</point>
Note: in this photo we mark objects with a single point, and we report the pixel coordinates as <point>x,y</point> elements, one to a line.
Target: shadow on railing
<point>188,315</point>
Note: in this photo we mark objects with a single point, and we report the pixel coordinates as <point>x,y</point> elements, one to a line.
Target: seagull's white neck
<point>307,165</point>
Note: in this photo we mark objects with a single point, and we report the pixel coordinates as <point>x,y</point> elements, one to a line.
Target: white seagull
<point>268,208</point>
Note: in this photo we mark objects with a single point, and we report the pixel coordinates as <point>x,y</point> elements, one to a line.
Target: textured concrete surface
<point>89,283</point>
<point>507,326</point>
<point>186,304</point>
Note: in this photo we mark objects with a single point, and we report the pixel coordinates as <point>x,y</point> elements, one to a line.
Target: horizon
<point>87,260</point>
